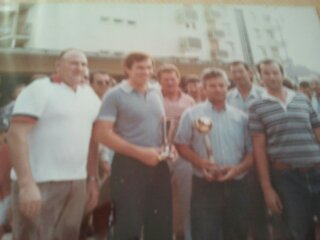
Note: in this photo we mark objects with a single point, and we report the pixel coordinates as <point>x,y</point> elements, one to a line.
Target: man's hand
<point>209,170</point>
<point>92,195</point>
<point>150,156</point>
<point>227,173</point>
<point>273,201</point>
<point>30,200</point>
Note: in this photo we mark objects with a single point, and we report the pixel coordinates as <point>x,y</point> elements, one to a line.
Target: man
<point>285,130</point>
<point>5,166</point>
<point>49,143</point>
<point>305,88</point>
<point>100,82</point>
<point>97,221</point>
<point>219,200</point>
<point>244,93</point>
<point>194,88</point>
<point>130,123</point>
<point>175,103</point>
<point>315,85</point>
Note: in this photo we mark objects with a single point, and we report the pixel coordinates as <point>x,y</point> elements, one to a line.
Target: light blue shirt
<point>235,99</point>
<point>229,135</point>
<point>315,103</point>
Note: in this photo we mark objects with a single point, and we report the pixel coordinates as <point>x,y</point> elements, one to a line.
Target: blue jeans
<point>219,210</point>
<point>299,192</point>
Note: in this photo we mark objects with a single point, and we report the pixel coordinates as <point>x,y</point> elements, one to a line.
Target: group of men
<point>58,125</point>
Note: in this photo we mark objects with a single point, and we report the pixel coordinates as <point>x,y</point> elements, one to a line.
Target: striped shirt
<point>175,108</point>
<point>288,128</point>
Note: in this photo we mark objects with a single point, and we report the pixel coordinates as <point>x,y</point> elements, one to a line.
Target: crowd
<point>214,156</point>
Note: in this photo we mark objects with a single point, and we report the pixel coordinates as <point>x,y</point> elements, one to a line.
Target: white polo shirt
<point>59,141</point>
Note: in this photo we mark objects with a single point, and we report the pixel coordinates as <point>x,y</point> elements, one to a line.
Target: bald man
<point>54,180</point>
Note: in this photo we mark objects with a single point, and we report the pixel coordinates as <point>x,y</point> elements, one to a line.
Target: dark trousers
<point>299,192</point>
<point>142,199</point>
<point>257,208</point>
<point>219,210</point>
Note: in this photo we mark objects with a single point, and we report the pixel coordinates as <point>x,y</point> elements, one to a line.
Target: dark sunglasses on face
<point>101,83</point>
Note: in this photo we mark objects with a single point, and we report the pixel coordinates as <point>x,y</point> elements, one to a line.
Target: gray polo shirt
<point>235,99</point>
<point>136,116</point>
<point>229,135</point>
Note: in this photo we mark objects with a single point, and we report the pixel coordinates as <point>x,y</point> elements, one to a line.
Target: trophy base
<point>166,155</point>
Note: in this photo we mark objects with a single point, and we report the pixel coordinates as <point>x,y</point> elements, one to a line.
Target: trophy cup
<point>168,126</point>
<point>204,125</point>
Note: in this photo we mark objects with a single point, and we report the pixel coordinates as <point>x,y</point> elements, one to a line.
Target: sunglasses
<point>101,83</point>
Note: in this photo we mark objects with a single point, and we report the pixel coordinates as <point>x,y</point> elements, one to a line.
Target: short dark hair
<point>92,75</point>
<point>304,84</point>
<point>288,84</point>
<point>238,62</point>
<point>167,67</point>
<point>269,62</point>
<point>133,57</point>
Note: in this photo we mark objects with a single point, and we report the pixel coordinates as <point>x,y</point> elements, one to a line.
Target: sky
<point>301,28</point>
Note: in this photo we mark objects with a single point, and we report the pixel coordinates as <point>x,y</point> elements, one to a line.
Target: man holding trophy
<point>175,103</point>
<point>213,136</point>
<point>130,123</point>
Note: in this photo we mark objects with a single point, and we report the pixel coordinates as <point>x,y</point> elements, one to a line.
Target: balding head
<point>71,67</point>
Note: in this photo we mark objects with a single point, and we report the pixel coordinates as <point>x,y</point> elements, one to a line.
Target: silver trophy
<point>168,127</point>
<point>204,125</point>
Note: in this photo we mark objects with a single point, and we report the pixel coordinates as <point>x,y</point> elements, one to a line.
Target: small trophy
<point>168,127</point>
<point>204,125</point>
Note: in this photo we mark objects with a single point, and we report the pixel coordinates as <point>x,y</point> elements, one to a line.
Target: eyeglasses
<point>101,83</point>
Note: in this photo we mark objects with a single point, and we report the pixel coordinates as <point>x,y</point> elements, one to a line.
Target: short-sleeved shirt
<point>175,108</point>
<point>59,141</point>
<point>229,135</point>
<point>137,116</point>
<point>288,127</point>
<point>235,99</point>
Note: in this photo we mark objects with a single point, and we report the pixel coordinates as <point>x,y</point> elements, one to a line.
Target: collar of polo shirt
<point>289,97</point>
<point>125,86</point>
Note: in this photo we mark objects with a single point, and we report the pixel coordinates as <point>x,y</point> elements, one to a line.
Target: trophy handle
<point>208,148</point>
<point>171,130</point>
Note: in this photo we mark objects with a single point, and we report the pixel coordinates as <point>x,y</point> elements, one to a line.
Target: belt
<point>287,166</point>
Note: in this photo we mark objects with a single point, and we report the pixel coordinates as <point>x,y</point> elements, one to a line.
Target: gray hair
<point>213,72</point>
